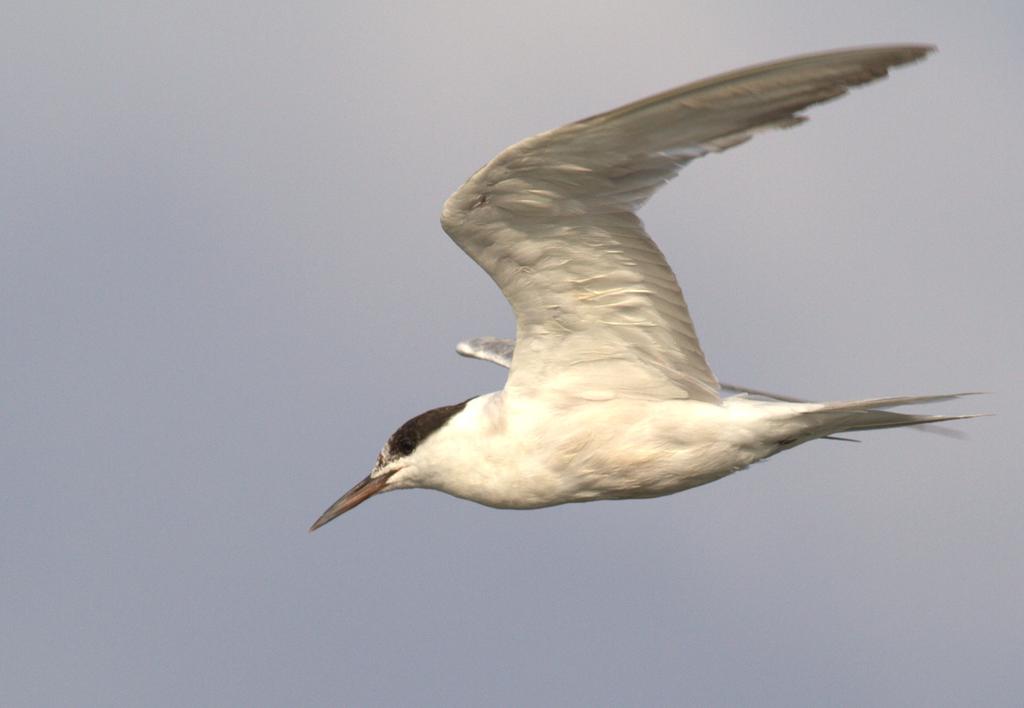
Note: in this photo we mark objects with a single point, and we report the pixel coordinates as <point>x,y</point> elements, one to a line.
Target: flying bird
<point>608,394</point>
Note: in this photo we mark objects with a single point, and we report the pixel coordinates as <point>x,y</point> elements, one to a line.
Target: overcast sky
<point>223,284</point>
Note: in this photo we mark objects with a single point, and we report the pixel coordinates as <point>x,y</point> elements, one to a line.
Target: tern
<point>608,394</point>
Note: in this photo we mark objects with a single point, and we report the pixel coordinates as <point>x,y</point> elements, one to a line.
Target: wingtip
<point>913,48</point>
<point>918,52</point>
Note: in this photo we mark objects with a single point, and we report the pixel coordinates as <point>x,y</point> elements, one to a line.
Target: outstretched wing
<point>552,220</point>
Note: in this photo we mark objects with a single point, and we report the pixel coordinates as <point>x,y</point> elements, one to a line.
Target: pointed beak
<point>352,498</point>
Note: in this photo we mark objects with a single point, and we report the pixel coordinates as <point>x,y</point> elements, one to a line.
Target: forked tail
<point>823,419</point>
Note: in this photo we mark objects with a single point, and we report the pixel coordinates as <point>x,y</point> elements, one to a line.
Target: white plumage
<point>609,395</point>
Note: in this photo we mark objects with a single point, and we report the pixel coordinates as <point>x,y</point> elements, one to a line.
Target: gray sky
<point>224,284</point>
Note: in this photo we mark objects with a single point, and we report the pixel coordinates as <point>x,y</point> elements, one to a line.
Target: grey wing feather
<point>493,349</point>
<point>760,394</point>
<point>551,219</point>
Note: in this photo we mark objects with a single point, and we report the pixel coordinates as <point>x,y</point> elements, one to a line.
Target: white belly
<point>533,457</point>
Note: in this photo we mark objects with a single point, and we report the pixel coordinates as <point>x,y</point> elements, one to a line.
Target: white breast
<point>528,453</point>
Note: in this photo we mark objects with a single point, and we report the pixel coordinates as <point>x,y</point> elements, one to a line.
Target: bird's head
<point>398,464</point>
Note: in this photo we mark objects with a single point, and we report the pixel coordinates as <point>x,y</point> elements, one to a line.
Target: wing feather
<point>551,219</point>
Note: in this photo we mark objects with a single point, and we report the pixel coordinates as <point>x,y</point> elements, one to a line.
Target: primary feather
<point>552,220</point>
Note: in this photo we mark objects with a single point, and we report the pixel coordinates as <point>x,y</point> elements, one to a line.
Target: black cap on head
<point>415,430</point>
<point>404,440</point>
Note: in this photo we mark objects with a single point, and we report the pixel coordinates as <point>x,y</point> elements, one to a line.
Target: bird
<point>608,393</point>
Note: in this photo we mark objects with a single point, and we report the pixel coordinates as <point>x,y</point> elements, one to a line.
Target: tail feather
<point>894,401</point>
<point>824,419</point>
<point>878,419</point>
